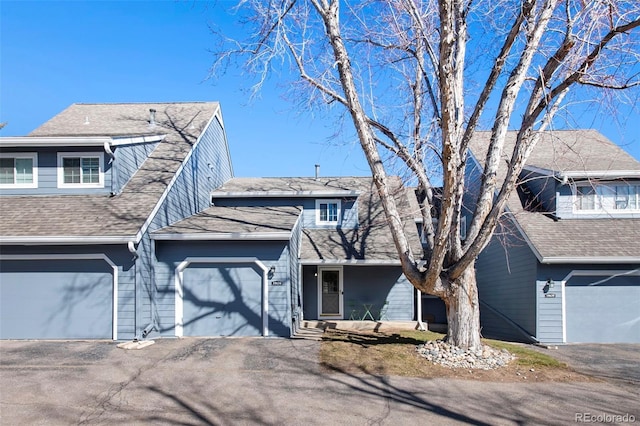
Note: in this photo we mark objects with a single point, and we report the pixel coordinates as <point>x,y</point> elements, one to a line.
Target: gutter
<point>30,141</point>
<point>210,236</point>
<point>590,260</point>
<point>75,240</point>
<point>288,194</point>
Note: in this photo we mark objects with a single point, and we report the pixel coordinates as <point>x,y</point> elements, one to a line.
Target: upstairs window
<point>327,212</point>
<point>18,170</point>
<point>80,170</point>
<point>607,198</point>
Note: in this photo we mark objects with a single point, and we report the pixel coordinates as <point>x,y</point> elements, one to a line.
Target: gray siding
<point>207,168</point>
<point>294,273</point>
<point>542,190</point>
<point>550,318</point>
<point>48,172</point>
<point>128,159</point>
<point>366,284</point>
<point>348,214</point>
<point>126,276</point>
<point>564,203</point>
<point>506,274</point>
<point>171,253</point>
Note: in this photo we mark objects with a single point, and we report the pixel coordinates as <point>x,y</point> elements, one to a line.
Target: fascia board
<point>133,140</point>
<point>350,262</point>
<point>204,236</point>
<point>588,260</point>
<point>283,194</point>
<point>34,141</point>
<point>71,141</point>
<point>69,240</point>
<point>599,174</point>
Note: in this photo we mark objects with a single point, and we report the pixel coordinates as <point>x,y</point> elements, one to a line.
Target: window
<point>80,170</point>
<point>327,212</point>
<point>608,197</point>
<point>19,170</point>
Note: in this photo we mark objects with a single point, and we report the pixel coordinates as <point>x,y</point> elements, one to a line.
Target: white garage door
<point>56,299</point>
<point>603,311</point>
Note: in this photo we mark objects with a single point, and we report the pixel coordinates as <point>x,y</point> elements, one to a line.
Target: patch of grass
<point>394,353</point>
<point>526,357</point>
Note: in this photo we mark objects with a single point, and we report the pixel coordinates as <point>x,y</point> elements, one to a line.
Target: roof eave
<point>217,236</point>
<point>70,141</point>
<point>67,240</point>
<point>350,262</point>
<point>284,194</point>
<point>600,174</point>
<point>590,260</point>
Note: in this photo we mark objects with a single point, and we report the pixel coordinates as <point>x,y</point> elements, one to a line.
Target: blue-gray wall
<point>275,253</point>
<point>48,172</point>
<point>365,284</point>
<point>127,160</point>
<point>506,275</point>
<point>207,168</point>
<point>294,272</point>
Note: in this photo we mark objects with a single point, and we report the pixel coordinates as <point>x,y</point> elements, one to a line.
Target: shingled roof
<point>102,216</point>
<point>578,152</point>
<point>371,241</point>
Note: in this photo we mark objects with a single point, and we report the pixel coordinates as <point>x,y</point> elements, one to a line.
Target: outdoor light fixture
<point>272,270</point>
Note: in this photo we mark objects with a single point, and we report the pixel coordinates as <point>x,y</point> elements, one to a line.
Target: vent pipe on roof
<point>152,116</point>
<point>317,171</point>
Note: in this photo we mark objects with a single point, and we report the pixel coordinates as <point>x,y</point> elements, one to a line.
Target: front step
<point>309,333</point>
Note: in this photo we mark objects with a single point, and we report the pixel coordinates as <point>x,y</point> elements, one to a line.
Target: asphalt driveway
<point>618,363</point>
<point>265,381</point>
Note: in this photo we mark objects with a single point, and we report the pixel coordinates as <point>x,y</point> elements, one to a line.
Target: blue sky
<point>55,53</point>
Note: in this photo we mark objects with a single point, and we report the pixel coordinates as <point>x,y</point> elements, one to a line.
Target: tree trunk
<point>463,311</point>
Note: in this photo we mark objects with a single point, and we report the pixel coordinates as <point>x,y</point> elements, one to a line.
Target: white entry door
<point>330,292</point>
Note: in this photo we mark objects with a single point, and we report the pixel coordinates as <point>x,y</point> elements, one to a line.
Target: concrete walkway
<point>263,381</point>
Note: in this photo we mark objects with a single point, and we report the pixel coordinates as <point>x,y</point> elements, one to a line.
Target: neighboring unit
<point>564,266</point>
<point>79,198</point>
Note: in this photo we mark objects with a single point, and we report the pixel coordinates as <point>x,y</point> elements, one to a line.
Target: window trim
<point>338,204</point>
<point>34,169</point>
<point>597,201</point>
<point>81,155</point>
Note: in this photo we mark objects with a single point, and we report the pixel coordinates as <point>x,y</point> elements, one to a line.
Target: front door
<point>330,293</point>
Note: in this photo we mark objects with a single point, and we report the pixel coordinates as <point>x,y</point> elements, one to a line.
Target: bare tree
<point>419,78</point>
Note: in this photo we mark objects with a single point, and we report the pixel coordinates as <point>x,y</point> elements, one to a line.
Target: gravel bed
<point>442,353</point>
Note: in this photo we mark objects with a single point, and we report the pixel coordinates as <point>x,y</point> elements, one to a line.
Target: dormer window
<point>327,212</point>
<point>18,170</point>
<point>80,170</point>
<point>607,197</point>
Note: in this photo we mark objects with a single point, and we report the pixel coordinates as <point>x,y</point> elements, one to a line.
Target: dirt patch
<point>394,353</point>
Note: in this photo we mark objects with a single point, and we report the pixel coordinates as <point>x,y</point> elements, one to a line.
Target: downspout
<point>152,308</point>
<point>421,325</point>
<point>112,156</point>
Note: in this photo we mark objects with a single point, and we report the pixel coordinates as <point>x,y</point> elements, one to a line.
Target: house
<point>124,221</point>
<point>79,199</point>
<point>280,250</point>
<point>564,266</point>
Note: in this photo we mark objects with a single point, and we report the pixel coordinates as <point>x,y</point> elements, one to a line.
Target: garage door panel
<point>222,301</point>
<point>603,313</point>
<point>56,300</point>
